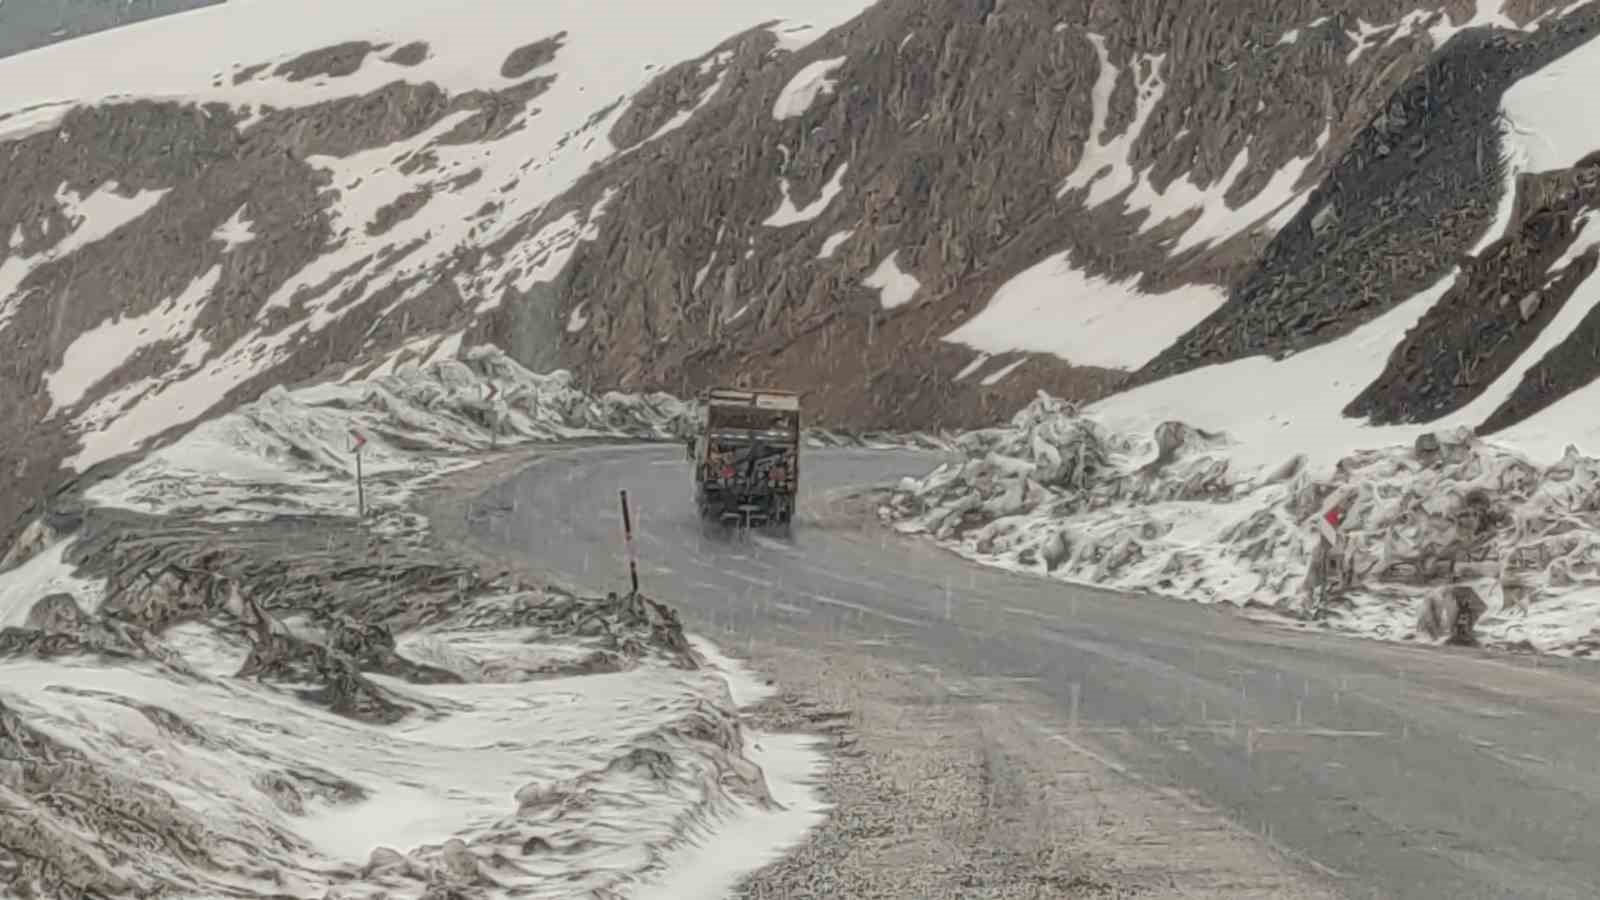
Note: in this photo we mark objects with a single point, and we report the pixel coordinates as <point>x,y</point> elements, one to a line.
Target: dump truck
<point>746,457</point>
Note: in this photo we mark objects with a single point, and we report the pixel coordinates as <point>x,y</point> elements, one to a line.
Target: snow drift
<point>1418,529</point>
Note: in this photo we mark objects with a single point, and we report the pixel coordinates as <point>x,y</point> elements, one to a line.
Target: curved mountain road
<point>1394,771</point>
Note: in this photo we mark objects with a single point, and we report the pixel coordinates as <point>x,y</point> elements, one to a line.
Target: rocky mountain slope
<point>918,211</point>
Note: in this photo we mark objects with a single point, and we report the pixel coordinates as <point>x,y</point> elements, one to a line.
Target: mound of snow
<point>1058,493</point>
<point>208,781</point>
<point>290,451</point>
<point>290,705</point>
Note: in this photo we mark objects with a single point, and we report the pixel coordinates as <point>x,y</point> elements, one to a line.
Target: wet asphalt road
<point>1395,771</point>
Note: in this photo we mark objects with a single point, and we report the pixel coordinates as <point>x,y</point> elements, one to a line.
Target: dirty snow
<point>1055,308</point>
<point>102,350</point>
<point>973,366</point>
<point>45,574</point>
<point>471,781</point>
<point>894,286</point>
<point>475,773</point>
<point>288,452</point>
<point>788,214</point>
<point>805,87</point>
<point>1165,511</point>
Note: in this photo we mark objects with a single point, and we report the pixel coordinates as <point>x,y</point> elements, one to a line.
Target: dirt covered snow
<point>217,680</point>
<point>1389,543</point>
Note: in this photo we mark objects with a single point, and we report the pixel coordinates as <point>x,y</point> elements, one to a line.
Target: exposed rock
<point>327,62</point>
<point>1475,333</point>
<point>34,539</point>
<point>528,57</point>
<point>1451,613</point>
<point>411,54</point>
<point>56,613</point>
<point>398,210</point>
<point>1404,218</point>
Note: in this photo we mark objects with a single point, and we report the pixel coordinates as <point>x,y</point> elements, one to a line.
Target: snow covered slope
<point>300,706</point>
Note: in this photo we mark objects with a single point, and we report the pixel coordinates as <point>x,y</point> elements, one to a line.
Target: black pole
<point>627,536</point>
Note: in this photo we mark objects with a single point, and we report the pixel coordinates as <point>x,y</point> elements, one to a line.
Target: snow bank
<point>1059,493</point>
<point>290,451</point>
<point>542,787</point>
<point>519,741</point>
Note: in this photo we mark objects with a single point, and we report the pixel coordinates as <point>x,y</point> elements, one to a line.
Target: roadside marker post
<point>627,539</point>
<point>494,419</point>
<point>361,493</point>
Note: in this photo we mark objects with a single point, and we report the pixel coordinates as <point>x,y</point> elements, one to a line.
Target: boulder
<point>1451,614</point>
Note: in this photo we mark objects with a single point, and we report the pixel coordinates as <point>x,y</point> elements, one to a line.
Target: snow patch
<point>1550,130</point>
<point>90,218</point>
<point>236,232</point>
<point>792,37</point>
<point>101,350</point>
<point>833,242</point>
<point>703,271</point>
<point>1104,168</point>
<point>1486,13</point>
<point>789,214</point>
<point>577,319</point>
<point>804,88</point>
<point>1000,374</point>
<point>894,287</point>
<point>1086,320</point>
<point>718,62</point>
